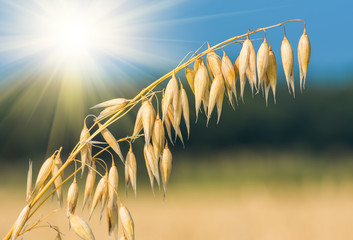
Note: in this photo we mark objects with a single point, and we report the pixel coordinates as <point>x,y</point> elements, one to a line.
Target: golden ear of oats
<point>113,218</point>
<point>126,222</point>
<point>158,137</point>
<point>243,66</point>
<point>57,183</point>
<point>168,127</point>
<point>29,182</point>
<point>130,170</point>
<point>86,150</point>
<point>81,227</point>
<point>267,87</point>
<point>148,167</point>
<point>190,76</point>
<point>229,78</point>
<point>44,172</point>
<point>262,62</point>
<point>272,72</point>
<point>206,97</point>
<point>20,222</point>
<point>116,102</point>
<point>185,107</point>
<point>177,114</point>
<point>90,180</point>
<point>152,161</point>
<point>166,167</point>
<point>72,196</point>
<point>170,94</point>
<point>138,121</point>
<point>110,139</point>
<point>148,118</point>
<point>216,92</point>
<point>220,101</point>
<point>113,179</point>
<point>201,86</point>
<point>214,63</point>
<point>98,193</point>
<point>197,64</point>
<point>251,70</point>
<point>288,63</point>
<point>170,116</point>
<point>304,52</point>
<point>107,112</point>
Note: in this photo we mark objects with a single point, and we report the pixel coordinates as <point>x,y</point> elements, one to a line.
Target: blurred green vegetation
<point>318,120</point>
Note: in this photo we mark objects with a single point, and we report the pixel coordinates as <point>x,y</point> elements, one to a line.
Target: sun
<point>58,55</point>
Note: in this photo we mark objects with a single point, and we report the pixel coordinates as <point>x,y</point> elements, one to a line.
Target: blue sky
<point>174,28</point>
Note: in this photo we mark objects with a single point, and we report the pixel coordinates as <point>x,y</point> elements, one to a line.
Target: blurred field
<point>256,196</point>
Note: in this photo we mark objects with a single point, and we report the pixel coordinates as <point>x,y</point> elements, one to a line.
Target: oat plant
<point>210,77</point>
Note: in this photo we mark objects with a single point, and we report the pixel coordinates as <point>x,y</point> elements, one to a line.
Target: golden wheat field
<point>259,197</point>
<point>324,212</point>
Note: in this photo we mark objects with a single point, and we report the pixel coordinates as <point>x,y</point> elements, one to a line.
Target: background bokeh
<point>282,171</point>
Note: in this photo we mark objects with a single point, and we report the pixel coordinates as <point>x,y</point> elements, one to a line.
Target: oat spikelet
<point>220,102</point>
<point>110,139</point>
<point>130,170</point>
<point>111,106</point>
<point>177,114</point>
<point>20,222</point>
<point>217,92</point>
<point>138,121</point>
<point>58,181</point>
<point>152,161</point>
<point>113,179</point>
<point>126,222</point>
<point>190,76</point>
<point>44,172</point>
<point>288,63</point>
<point>148,118</point>
<point>170,116</point>
<point>168,127</point>
<point>185,106</point>
<point>158,137</point>
<point>29,181</point>
<point>166,167</point>
<point>81,227</point>
<point>251,71</point>
<point>201,86</point>
<point>197,64</point>
<point>243,66</point>
<point>117,102</point>
<point>267,87</point>
<point>272,72</point>
<point>107,112</point>
<point>98,195</point>
<point>304,51</point>
<point>214,63</point>
<point>171,93</point>
<point>229,78</point>
<point>262,62</point>
<point>86,150</point>
<point>113,218</point>
<point>148,167</point>
<point>72,196</point>
<point>90,180</point>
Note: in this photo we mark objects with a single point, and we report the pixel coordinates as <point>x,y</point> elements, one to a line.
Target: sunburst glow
<point>57,53</point>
